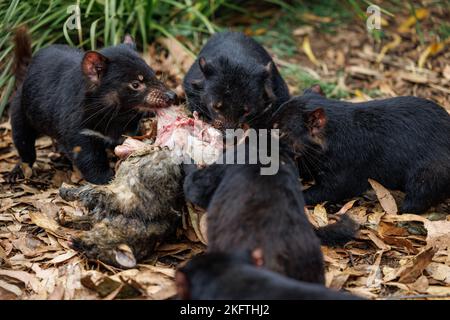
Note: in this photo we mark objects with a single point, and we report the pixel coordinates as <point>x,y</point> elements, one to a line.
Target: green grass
<point>303,80</point>
<point>444,31</point>
<point>103,23</point>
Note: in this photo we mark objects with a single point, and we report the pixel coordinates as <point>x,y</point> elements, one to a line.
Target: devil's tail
<point>22,54</point>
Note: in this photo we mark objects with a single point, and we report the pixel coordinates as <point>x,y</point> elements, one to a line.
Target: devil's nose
<point>171,97</point>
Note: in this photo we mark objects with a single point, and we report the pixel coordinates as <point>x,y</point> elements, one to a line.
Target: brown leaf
<point>320,215</point>
<point>446,72</point>
<point>346,207</point>
<point>10,287</point>
<point>49,225</point>
<point>387,201</point>
<point>27,278</point>
<point>63,257</point>
<point>438,233</point>
<point>389,229</point>
<point>302,31</point>
<point>439,271</point>
<point>418,264</point>
<point>204,228</point>
<point>420,285</point>
<point>376,240</point>
<point>400,243</point>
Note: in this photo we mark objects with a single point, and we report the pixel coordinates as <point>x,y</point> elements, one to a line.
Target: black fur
<point>234,81</point>
<point>338,233</point>
<point>403,143</point>
<point>200,186</point>
<point>84,101</point>
<point>219,276</point>
<point>249,211</point>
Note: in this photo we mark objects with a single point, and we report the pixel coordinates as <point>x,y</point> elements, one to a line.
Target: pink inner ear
<point>93,65</point>
<point>258,257</point>
<point>317,89</point>
<point>128,40</point>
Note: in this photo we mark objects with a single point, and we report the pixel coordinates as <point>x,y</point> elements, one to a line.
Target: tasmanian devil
<point>220,276</point>
<point>84,100</point>
<point>261,213</point>
<point>403,143</point>
<point>234,81</point>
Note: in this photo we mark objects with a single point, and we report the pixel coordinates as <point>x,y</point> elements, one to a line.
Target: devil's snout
<point>170,97</point>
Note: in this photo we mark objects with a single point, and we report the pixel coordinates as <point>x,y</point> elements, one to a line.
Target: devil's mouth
<point>152,104</point>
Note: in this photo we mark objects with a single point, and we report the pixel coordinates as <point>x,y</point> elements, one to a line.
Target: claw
<point>15,174</point>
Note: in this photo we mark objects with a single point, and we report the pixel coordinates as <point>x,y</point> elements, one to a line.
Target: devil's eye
<point>135,85</point>
<point>217,106</point>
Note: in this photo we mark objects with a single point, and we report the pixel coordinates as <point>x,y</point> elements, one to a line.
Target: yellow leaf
<point>308,51</point>
<point>391,45</point>
<point>259,31</point>
<point>320,215</point>
<point>431,50</point>
<point>420,14</point>
<point>315,18</point>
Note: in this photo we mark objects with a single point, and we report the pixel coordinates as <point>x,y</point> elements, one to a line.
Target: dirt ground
<point>395,256</point>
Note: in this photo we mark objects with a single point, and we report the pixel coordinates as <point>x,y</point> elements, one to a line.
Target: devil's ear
<point>268,83</point>
<point>197,84</point>
<point>128,40</point>
<point>94,66</point>
<point>182,284</point>
<point>316,89</point>
<point>258,257</point>
<point>315,121</point>
<point>205,66</point>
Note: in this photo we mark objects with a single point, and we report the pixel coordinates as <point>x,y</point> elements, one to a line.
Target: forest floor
<point>394,256</point>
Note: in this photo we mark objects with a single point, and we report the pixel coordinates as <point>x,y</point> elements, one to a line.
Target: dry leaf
<point>377,241</point>
<point>389,46</point>
<point>420,14</point>
<point>63,257</point>
<point>315,18</point>
<point>421,285</point>
<point>302,31</point>
<point>10,287</point>
<point>308,51</point>
<point>439,291</point>
<point>27,278</point>
<point>346,207</point>
<point>438,233</point>
<point>320,215</point>
<point>446,72</point>
<point>414,269</point>
<point>431,50</point>
<point>439,271</point>
<point>387,201</point>
<point>48,224</point>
